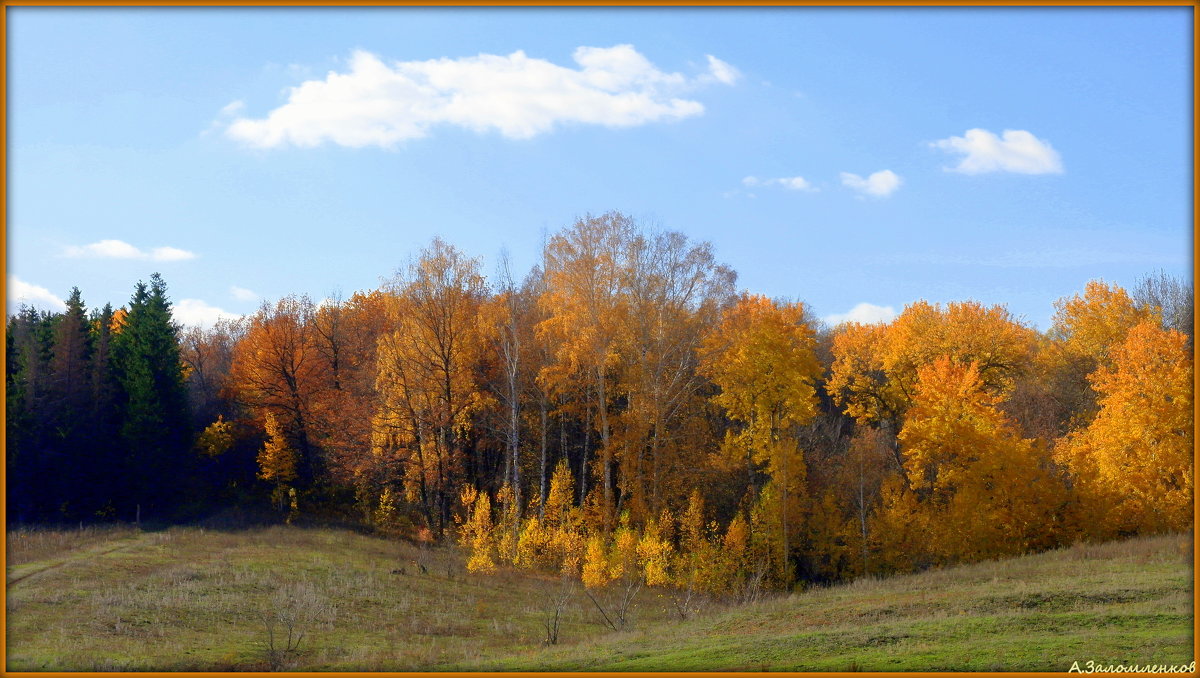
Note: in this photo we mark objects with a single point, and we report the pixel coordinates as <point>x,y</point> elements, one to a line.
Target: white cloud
<point>232,107</point>
<point>242,294</point>
<point>790,183</point>
<point>1018,151</point>
<point>863,313</point>
<point>722,72</point>
<point>169,254</point>
<point>794,183</point>
<point>198,313</point>
<point>21,292</point>
<point>879,185</point>
<point>106,249</point>
<point>380,104</point>
<point>118,249</point>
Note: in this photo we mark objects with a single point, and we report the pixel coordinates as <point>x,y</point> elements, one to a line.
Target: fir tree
<point>68,406</point>
<point>28,352</point>
<point>154,427</point>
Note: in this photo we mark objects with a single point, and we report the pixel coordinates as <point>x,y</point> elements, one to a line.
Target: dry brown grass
<point>195,599</point>
<point>26,545</point>
<point>200,599</point>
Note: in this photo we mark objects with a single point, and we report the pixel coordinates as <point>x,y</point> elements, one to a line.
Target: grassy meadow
<point>280,598</point>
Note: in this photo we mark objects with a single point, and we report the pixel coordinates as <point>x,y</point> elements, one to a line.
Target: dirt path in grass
<point>20,573</point>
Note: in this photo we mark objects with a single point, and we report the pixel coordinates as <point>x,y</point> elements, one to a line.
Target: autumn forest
<point>622,414</point>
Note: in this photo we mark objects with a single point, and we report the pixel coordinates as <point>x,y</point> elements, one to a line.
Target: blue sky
<point>841,157</point>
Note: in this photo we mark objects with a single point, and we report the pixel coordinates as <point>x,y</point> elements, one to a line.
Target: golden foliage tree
<point>277,461</point>
<point>698,565</point>
<point>477,532</point>
<point>875,367</point>
<point>1133,464</point>
<point>1086,327</point>
<point>858,380</point>
<point>761,357</point>
<point>866,466</point>
<point>216,438</point>
<point>985,491</point>
<point>554,539</point>
<point>426,380</point>
<point>1093,323</point>
<point>676,291</point>
<point>585,269</point>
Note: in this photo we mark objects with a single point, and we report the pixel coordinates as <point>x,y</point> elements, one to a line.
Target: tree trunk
<point>605,448</point>
<point>542,474</point>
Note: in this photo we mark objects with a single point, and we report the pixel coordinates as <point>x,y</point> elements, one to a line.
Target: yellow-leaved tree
<point>697,562</point>
<point>216,438</point>
<point>675,291</point>
<point>655,551</point>
<point>1093,323</point>
<point>874,373</point>
<point>761,356</point>
<point>982,490</point>
<point>1085,330</point>
<point>585,269</point>
<point>476,532</point>
<point>1133,465</point>
<point>276,460</point>
<point>555,539</point>
<point>426,375</point>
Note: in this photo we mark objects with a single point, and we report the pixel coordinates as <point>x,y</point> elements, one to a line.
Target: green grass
<point>1122,602</point>
<point>195,599</point>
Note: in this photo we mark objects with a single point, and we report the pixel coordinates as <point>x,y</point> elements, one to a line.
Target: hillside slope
<point>1122,602</point>
<point>192,599</point>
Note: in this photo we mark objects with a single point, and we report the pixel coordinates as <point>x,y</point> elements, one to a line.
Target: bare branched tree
<point>556,603</point>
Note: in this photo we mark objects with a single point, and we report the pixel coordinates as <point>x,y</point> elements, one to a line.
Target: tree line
<point>622,414</point>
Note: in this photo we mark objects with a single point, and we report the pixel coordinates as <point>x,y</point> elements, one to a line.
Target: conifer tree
<point>27,426</point>
<point>69,393</point>
<point>153,399</point>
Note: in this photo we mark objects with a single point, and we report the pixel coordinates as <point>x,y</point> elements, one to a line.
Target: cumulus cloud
<point>790,183</point>
<point>198,313</point>
<point>21,292</point>
<point>118,249</point>
<point>862,313</point>
<point>1016,151</point>
<point>242,294</point>
<point>880,184</point>
<point>375,103</point>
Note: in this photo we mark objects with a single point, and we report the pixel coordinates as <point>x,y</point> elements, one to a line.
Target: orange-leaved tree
<point>982,489</point>
<point>1093,323</point>
<point>276,369</point>
<point>875,368</point>
<point>1133,464</point>
<point>1085,329</point>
